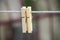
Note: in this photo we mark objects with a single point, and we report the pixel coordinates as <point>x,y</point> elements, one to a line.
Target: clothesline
<point>34,11</point>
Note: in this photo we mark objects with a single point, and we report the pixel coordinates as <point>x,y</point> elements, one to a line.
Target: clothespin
<point>29,19</point>
<point>23,14</point>
<point>26,19</point>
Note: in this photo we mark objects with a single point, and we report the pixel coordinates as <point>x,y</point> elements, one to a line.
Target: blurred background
<point>45,26</point>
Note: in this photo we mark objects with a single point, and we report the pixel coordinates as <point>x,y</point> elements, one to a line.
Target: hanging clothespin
<point>26,19</point>
<point>23,14</point>
<point>29,19</point>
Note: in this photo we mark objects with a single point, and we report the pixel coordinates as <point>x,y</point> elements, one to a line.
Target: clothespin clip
<point>26,20</point>
<point>29,19</point>
<point>23,14</point>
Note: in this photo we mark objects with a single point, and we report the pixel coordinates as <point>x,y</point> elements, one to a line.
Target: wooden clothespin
<point>29,19</point>
<point>26,19</point>
<point>23,14</point>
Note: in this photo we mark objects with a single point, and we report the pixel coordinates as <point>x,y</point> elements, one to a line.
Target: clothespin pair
<point>26,20</point>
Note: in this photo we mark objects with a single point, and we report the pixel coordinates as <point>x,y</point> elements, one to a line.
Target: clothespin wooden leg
<point>29,20</point>
<point>23,14</point>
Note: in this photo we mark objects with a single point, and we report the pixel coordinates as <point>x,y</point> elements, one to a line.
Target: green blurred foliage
<point>28,3</point>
